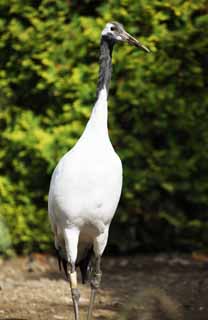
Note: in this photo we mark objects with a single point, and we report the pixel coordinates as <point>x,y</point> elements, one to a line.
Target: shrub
<point>158,114</point>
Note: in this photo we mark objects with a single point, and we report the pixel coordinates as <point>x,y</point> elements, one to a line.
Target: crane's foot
<point>95,285</point>
<point>75,293</point>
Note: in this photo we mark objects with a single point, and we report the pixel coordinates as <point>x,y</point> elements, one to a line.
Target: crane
<point>86,184</point>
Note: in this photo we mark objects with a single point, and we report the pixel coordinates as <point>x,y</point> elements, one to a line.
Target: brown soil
<point>138,288</point>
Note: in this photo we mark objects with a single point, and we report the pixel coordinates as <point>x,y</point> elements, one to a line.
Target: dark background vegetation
<point>158,116</point>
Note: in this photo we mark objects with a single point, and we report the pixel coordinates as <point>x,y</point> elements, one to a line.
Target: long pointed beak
<point>131,40</point>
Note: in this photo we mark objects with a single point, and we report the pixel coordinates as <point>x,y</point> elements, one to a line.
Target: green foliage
<point>5,239</point>
<point>158,113</point>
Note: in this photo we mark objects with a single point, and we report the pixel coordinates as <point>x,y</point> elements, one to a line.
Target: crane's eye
<point>113,28</point>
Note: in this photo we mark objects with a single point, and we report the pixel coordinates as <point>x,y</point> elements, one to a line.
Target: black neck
<point>106,48</point>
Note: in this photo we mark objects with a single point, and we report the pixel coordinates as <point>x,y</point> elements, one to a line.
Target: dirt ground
<point>160,287</point>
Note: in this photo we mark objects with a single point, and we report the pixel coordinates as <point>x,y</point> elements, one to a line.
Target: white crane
<point>86,184</point>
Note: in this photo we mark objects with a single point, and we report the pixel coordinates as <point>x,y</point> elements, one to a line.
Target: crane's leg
<point>98,247</point>
<point>95,285</point>
<point>71,236</point>
<point>74,290</point>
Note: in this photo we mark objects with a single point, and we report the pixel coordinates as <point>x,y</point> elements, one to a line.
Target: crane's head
<point>114,31</point>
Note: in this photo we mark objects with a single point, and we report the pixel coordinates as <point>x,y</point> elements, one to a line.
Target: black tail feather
<point>62,263</point>
<point>84,265</point>
<point>59,260</point>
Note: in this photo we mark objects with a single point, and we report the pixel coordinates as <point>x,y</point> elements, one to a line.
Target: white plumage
<point>85,188</point>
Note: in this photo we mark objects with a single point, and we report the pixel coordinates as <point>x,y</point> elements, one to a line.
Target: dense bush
<point>158,114</point>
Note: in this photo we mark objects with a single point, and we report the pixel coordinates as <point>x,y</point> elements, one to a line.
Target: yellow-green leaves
<point>158,111</point>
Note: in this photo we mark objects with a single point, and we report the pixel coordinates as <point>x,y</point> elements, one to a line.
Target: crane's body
<point>86,187</point>
<point>86,184</point>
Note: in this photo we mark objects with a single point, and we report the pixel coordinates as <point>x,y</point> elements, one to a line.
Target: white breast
<point>86,184</point>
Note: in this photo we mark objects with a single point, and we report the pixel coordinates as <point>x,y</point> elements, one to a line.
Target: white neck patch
<point>107,29</point>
